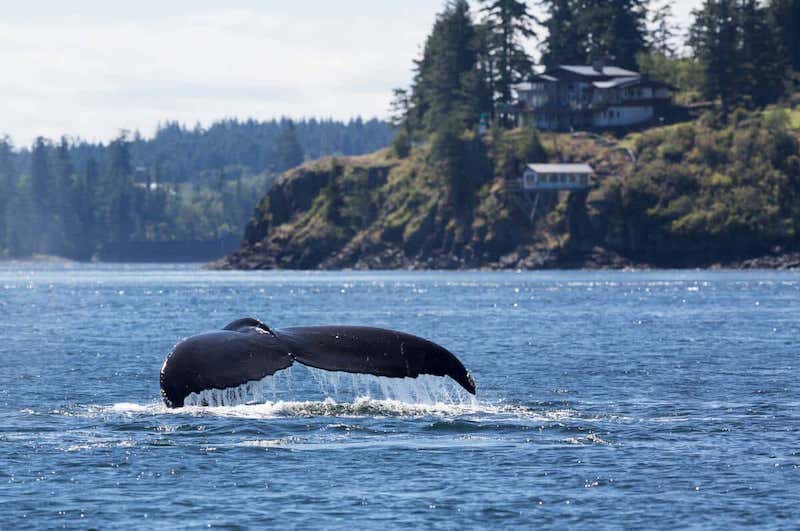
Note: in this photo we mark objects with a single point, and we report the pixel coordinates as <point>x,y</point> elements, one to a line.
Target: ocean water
<point>639,399</point>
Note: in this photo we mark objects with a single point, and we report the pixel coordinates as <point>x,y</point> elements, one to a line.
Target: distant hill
<point>699,193</point>
<point>188,154</point>
<point>156,198</point>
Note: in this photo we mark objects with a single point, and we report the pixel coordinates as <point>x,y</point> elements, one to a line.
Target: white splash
<point>424,389</point>
<point>254,392</point>
<point>475,411</point>
<point>339,387</point>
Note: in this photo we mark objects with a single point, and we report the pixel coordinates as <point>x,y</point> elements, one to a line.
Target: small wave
<point>130,407</point>
<point>360,407</point>
<point>354,395</point>
<point>101,444</point>
<point>592,438</point>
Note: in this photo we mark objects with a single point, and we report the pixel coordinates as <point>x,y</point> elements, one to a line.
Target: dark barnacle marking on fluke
<point>247,350</point>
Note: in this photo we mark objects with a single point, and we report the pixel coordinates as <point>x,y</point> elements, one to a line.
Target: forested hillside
<point>700,193</point>
<point>75,199</point>
<point>721,188</point>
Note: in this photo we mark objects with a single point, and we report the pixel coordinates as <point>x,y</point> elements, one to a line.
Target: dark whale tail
<point>248,350</point>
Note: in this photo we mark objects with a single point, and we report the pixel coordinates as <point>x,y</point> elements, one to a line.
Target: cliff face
<point>698,194</point>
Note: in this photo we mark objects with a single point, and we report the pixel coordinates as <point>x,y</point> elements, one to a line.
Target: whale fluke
<point>247,350</point>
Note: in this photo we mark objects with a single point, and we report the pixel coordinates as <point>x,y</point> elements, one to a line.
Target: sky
<point>91,68</point>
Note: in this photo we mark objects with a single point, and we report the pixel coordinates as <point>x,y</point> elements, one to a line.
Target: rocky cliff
<point>694,194</point>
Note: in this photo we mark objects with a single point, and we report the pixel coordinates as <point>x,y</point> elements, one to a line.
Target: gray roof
<point>618,82</point>
<point>584,70</point>
<point>528,85</point>
<point>561,168</point>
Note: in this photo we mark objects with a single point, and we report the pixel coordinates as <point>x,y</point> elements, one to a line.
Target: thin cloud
<point>92,77</point>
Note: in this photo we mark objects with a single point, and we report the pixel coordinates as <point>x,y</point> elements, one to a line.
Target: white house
<point>557,176</point>
<point>589,97</point>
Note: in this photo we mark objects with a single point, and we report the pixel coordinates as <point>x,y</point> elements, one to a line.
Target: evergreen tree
<point>713,38</point>
<point>744,59</point>
<point>784,20</point>
<point>40,172</point>
<point>91,204</point>
<point>41,188</point>
<point>91,175</point>
<point>7,187</point>
<point>616,30</point>
<point>121,217</point>
<point>400,118</point>
<point>663,31</point>
<point>121,167</point>
<point>288,151</point>
<point>588,31</point>
<point>445,82</point>
<point>65,166</point>
<point>763,59</point>
<point>7,167</point>
<point>508,23</point>
<point>400,108</point>
<point>565,44</point>
<point>63,179</point>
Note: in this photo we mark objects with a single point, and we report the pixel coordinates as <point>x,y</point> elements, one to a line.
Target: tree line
<point>70,198</point>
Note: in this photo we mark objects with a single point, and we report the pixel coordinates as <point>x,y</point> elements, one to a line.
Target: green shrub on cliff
<point>732,188</point>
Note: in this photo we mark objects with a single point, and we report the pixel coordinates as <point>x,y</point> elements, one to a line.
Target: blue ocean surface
<point>639,399</point>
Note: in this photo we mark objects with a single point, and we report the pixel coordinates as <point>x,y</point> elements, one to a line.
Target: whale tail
<point>248,350</point>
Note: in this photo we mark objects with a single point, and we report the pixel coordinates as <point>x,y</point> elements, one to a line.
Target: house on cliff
<point>556,177</point>
<point>569,97</point>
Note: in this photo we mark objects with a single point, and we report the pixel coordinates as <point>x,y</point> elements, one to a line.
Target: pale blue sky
<point>89,68</point>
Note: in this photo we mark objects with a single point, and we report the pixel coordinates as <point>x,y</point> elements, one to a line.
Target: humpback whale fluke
<point>248,350</point>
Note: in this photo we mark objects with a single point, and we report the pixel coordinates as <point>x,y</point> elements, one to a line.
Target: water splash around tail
<point>339,387</point>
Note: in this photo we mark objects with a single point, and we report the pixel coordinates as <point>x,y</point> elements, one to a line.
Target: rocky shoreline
<point>598,258</point>
<point>779,261</point>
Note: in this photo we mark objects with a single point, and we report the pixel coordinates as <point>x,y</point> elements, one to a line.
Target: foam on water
<point>474,411</point>
<point>340,394</point>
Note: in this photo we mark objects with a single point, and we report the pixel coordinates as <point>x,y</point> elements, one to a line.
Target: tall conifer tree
<point>663,31</point>
<point>444,82</point>
<point>7,187</point>
<point>288,151</point>
<point>509,23</point>
<point>784,20</point>
<point>763,57</point>
<point>743,58</point>
<point>713,37</point>
<point>615,30</point>
<point>565,41</point>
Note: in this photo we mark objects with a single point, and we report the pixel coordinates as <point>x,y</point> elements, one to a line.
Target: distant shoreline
<point>785,262</point>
